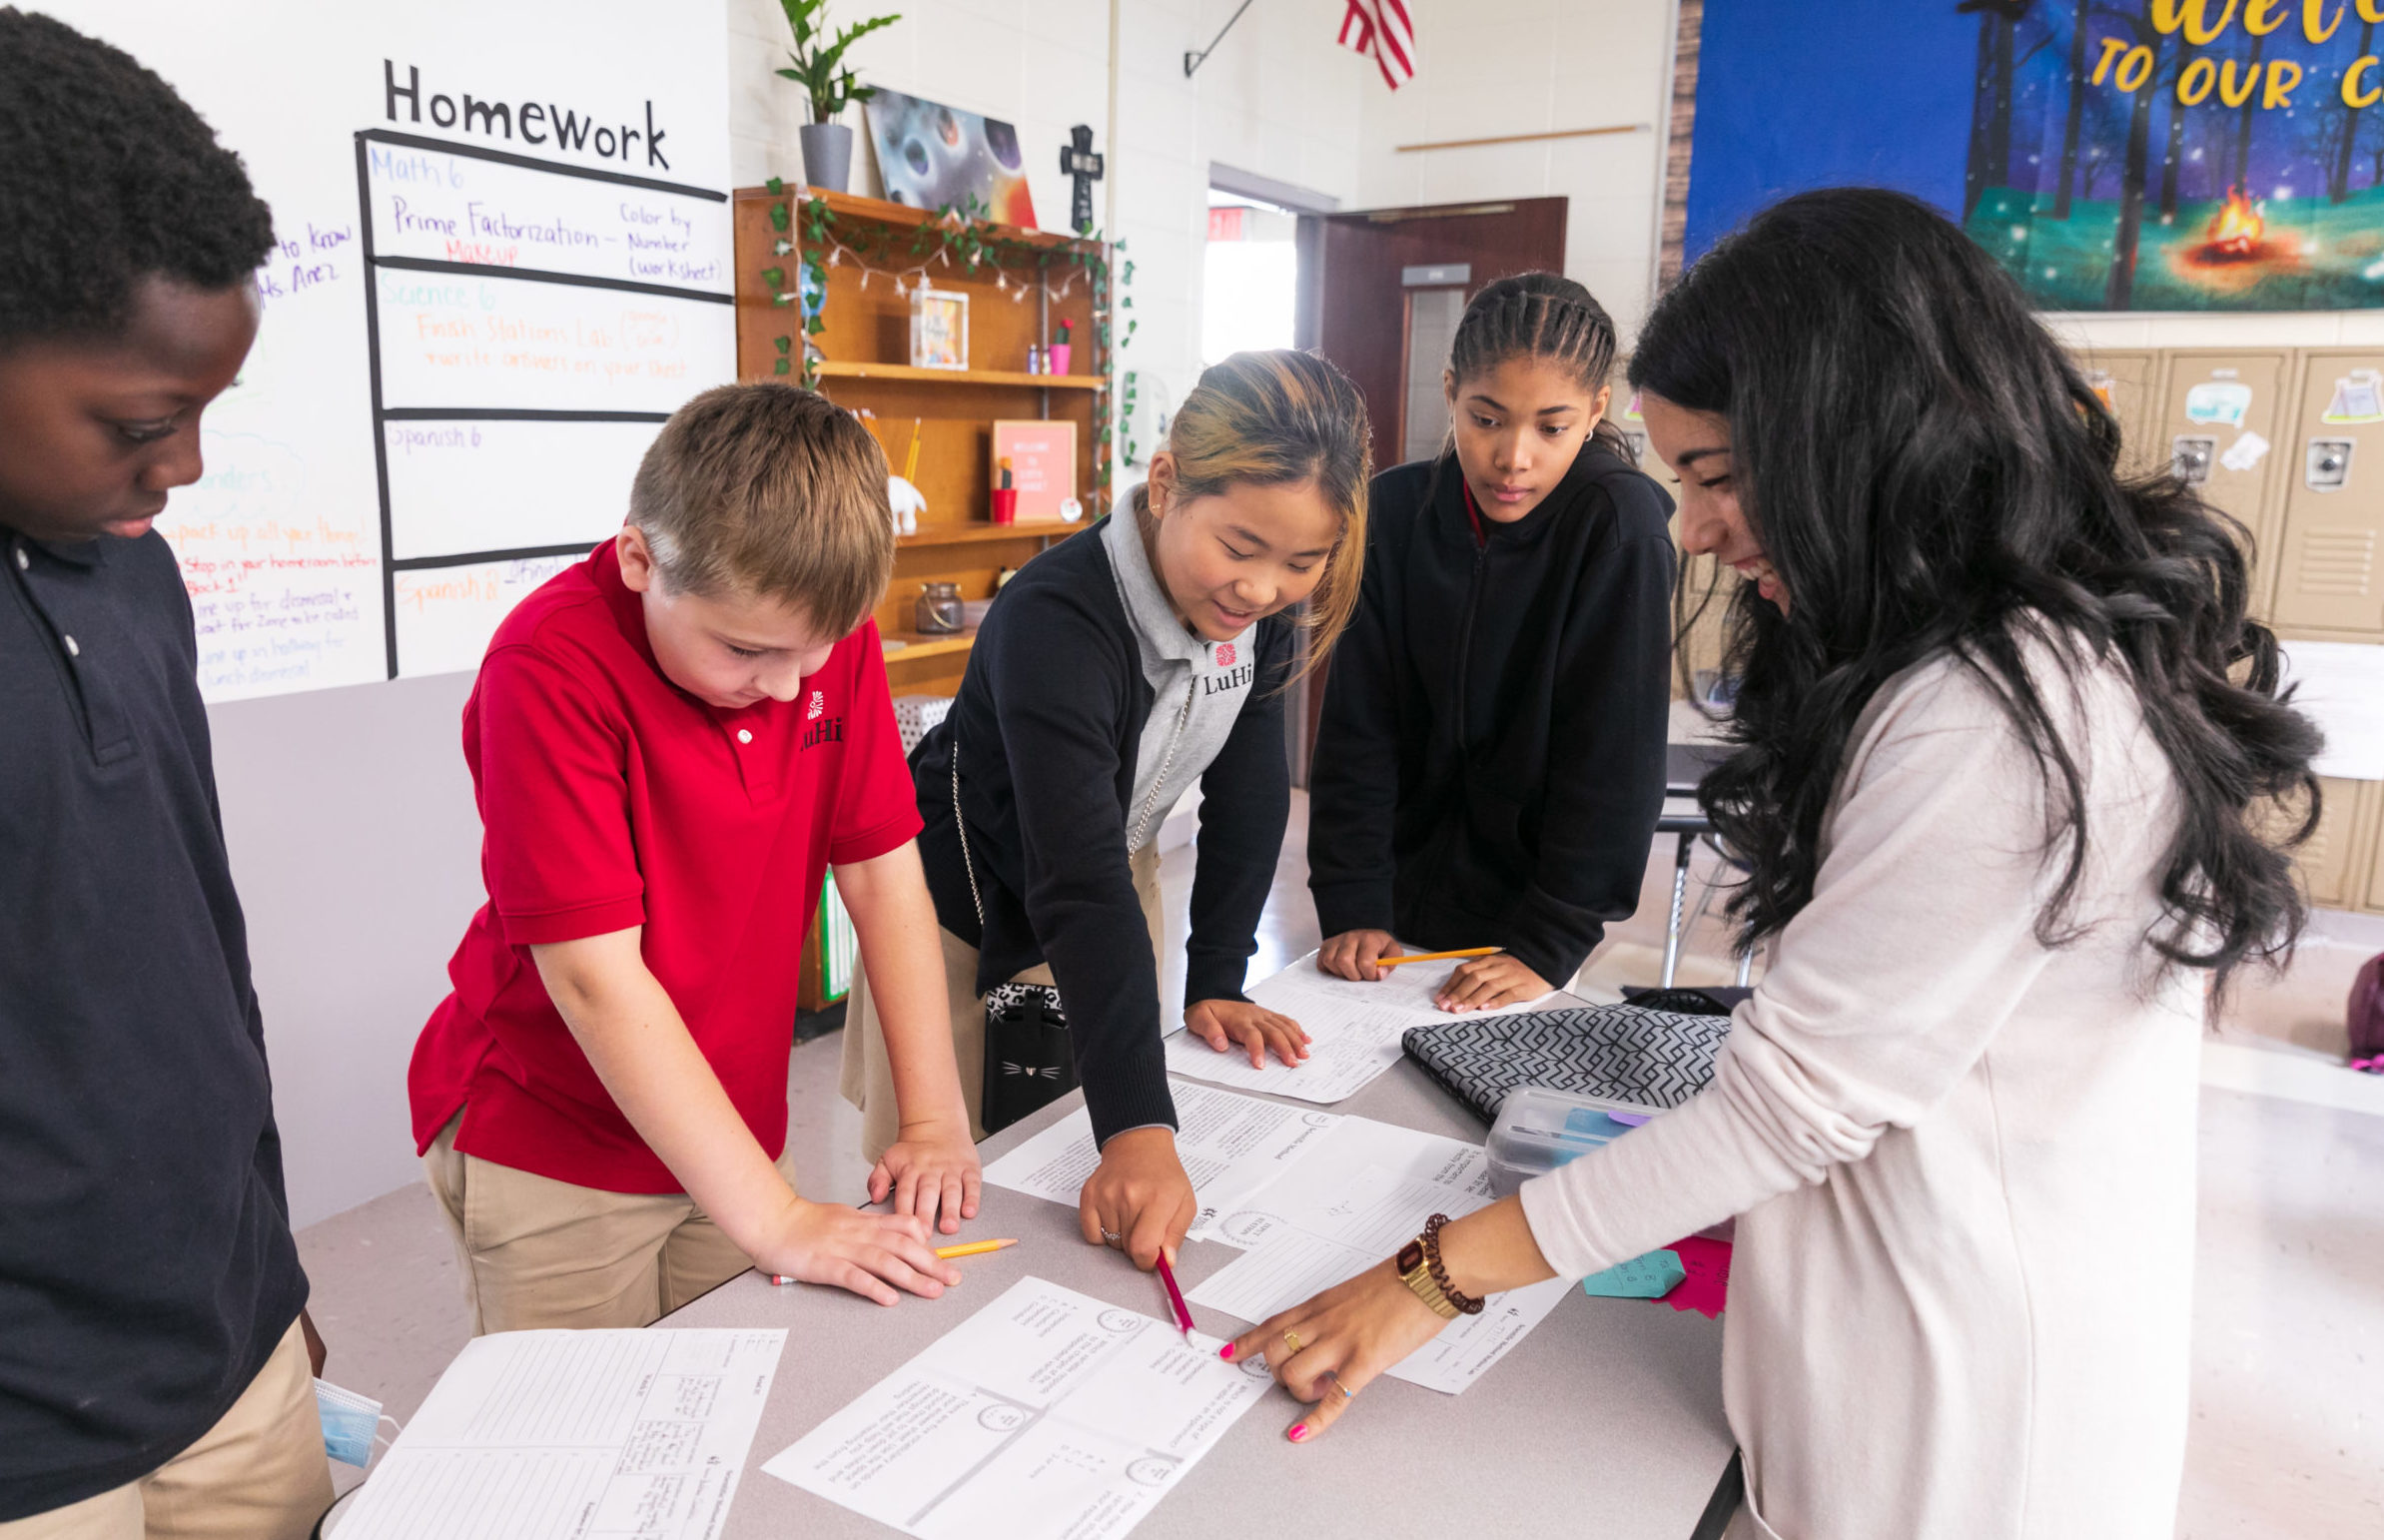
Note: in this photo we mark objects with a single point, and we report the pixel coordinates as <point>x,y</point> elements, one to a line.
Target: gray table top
<point>1610,1411</point>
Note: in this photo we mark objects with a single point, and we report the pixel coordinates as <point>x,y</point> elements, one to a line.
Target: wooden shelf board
<point>927,647</point>
<point>838,368</point>
<point>892,213</point>
<point>972,533</point>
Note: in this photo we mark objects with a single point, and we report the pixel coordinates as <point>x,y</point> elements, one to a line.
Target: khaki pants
<point>537,1252</point>
<point>259,1474</point>
<point>868,1080</point>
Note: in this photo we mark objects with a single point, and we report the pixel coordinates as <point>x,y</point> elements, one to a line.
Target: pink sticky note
<point>1707,1287</point>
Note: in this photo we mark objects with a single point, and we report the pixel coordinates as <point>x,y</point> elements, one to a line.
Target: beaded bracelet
<point>1472,1305</point>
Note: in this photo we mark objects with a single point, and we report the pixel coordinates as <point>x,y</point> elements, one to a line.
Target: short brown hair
<point>767,490</point>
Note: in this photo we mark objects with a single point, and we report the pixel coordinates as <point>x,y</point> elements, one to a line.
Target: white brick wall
<point>1276,98</point>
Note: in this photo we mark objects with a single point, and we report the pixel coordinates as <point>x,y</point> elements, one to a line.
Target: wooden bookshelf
<point>835,369</point>
<point>865,347</point>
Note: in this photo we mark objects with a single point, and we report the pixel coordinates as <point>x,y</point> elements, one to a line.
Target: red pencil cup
<point>1005,505</point>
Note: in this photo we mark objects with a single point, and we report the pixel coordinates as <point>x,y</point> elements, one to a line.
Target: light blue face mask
<point>348,1423</point>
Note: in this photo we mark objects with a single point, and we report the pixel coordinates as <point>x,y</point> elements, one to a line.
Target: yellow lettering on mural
<point>2227,84</point>
<point>2370,10</point>
<point>2111,47</point>
<point>2136,67</point>
<point>2194,16</point>
<point>2195,83</point>
<point>2352,95</point>
<point>2281,88</point>
<point>2257,19</point>
<point>2309,20</point>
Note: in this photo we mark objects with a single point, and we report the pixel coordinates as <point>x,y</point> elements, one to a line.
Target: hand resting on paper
<point>930,1166</point>
<point>1226,1023</point>
<point>1353,954</point>
<point>1488,982</point>
<point>1356,1332</point>
<point>1140,1195</point>
<point>625,1021</point>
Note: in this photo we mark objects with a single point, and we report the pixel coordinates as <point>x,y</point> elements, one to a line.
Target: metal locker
<point>2336,861</point>
<point>2216,426</point>
<point>2127,379</point>
<point>2373,791</point>
<point>2329,570</point>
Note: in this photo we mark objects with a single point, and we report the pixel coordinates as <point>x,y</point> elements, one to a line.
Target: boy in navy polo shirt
<point>154,1371</point>
<point>670,742</point>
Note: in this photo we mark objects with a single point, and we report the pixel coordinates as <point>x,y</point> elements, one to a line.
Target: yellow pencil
<point>973,1249</point>
<point>1435,957</point>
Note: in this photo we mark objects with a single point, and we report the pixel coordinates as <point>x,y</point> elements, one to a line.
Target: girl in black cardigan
<point>1491,761</point>
<point>1115,671</point>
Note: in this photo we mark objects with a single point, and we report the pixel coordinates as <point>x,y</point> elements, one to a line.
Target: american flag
<point>1382,28</point>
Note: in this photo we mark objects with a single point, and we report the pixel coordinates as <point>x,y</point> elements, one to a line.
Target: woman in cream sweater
<point>2004,733</point>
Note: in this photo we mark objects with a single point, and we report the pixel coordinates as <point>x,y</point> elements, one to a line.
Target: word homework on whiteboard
<point>501,255</point>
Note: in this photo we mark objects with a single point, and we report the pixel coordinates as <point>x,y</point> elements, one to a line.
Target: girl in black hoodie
<point>1491,761</point>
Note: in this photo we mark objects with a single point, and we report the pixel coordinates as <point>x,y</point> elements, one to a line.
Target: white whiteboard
<point>595,266</point>
<point>447,340</point>
<point>462,487</point>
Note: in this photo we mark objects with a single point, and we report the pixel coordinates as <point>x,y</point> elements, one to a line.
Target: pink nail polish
<point>1299,1432</point>
<point>1226,1352</point>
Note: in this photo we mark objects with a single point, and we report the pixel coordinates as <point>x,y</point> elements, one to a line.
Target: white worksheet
<point>1354,1028</point>
<point>1046,1415</point>
<point>1332,1218</point>
<point>1231,1146</point>
<point>576,1435</point>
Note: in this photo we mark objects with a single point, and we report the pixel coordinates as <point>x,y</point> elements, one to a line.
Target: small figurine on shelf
<point>1005,495</point>
<point>1057,353</point>
<point>902,493</point>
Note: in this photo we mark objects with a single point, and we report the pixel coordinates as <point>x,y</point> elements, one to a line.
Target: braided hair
<point>1547,317</point>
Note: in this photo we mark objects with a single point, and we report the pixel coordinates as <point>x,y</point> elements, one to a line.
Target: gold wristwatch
<point>1416,1272</point>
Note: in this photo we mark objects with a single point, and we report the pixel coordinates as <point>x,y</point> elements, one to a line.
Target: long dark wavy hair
<point>1929,474</point>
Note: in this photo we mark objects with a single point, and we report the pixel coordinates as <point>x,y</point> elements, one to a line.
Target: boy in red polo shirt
<point>670,742</point>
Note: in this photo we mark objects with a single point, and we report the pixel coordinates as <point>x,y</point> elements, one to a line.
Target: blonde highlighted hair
<point>1271,418</point>
<point>768,491</point>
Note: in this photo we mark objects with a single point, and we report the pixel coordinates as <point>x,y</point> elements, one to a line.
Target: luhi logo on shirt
<point>818,706</point>
<point>1233,675</point>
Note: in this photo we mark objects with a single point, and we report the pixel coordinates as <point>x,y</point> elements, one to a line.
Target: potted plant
<point>818,57</point>
<point>1061,348</point>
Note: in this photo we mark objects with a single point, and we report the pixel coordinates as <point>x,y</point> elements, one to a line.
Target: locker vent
<point>2338,562</point>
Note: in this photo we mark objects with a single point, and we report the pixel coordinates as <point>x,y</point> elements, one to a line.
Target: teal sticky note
<point>1642,1278</point>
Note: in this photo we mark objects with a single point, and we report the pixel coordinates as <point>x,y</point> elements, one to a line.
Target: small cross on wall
<point>1076,161</point>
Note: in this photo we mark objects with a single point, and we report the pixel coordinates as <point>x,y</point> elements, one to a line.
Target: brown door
<point>1380,292</point>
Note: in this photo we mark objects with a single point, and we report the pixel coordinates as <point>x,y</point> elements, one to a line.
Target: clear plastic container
<point>1539,1130</point>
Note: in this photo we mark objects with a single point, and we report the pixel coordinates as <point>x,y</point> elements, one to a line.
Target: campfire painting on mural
<point>2168,157</point>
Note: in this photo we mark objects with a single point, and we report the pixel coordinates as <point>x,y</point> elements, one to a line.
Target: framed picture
<point>932,156</point>
<point>939,329</point>
<point>1042,457</point>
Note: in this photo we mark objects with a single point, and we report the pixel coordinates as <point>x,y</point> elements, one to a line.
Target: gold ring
<point>1347,1394</point>
<point>1291,1340</point>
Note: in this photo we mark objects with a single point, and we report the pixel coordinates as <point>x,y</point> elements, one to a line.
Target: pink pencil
<point>1167,1275</point>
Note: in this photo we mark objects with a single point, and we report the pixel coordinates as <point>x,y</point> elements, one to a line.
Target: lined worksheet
<point>1231,1146</point>
<point>1046,1415</point>
<point>1354,1028</point>
<point>576,1435</point>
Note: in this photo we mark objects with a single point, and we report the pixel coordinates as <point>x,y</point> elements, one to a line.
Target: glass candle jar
<point>939,609</point>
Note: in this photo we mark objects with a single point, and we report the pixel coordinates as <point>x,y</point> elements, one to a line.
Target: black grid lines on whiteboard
<point>530,325</point>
